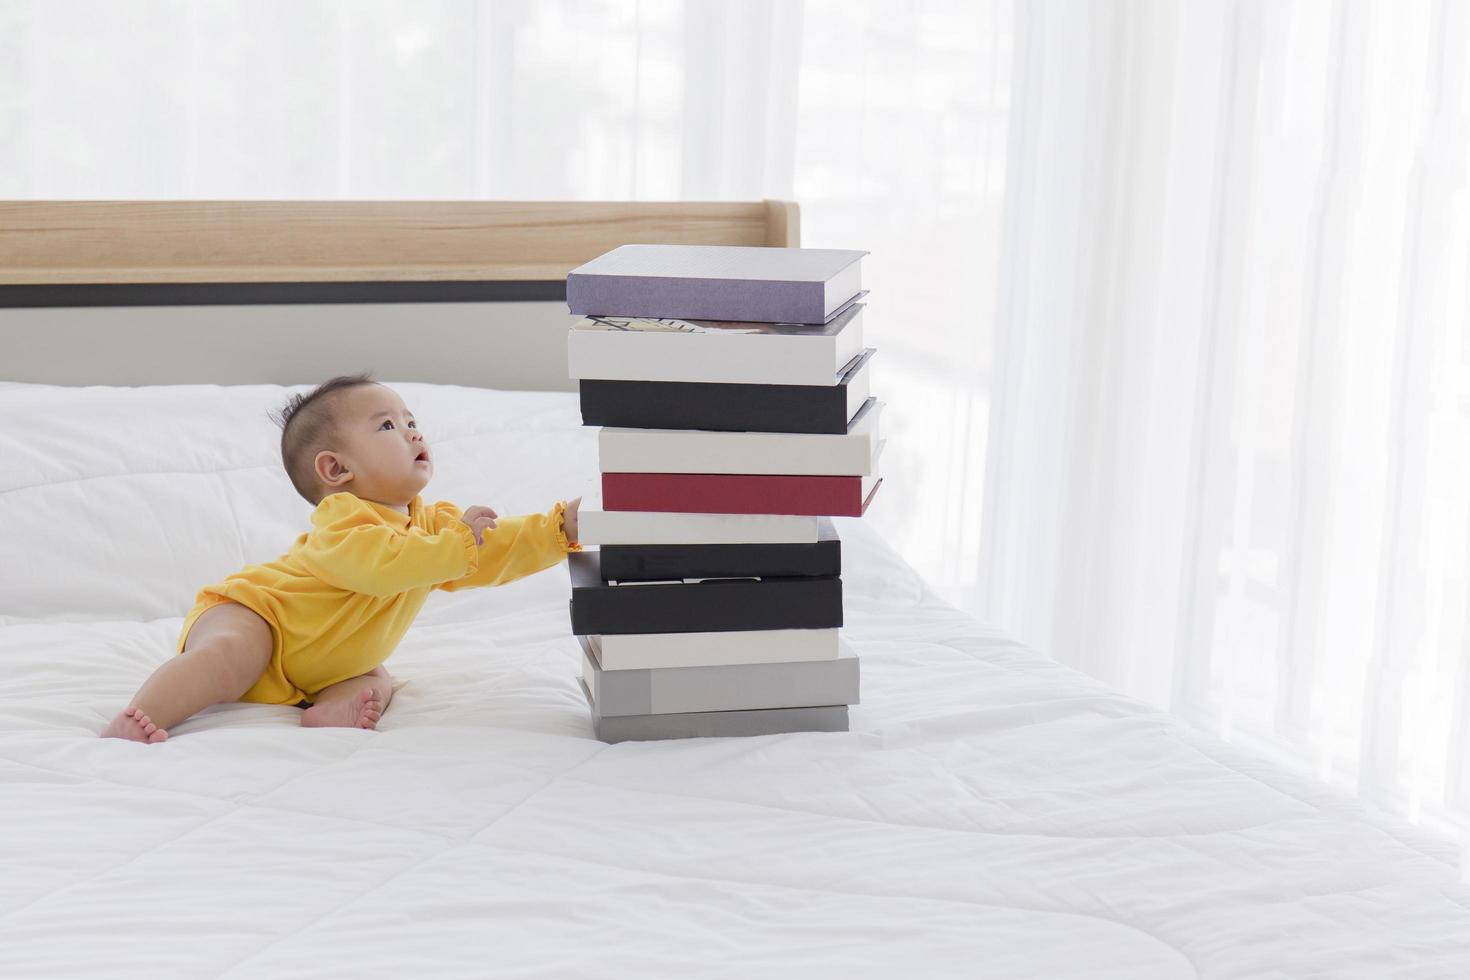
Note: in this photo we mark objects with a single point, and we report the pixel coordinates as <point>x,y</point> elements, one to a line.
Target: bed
<point>990,814</point>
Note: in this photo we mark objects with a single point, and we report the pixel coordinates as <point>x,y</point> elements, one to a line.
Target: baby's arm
<point>516,546</point>
<point>354,550</point>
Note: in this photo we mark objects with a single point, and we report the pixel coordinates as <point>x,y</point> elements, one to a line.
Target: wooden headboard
<point>292,292</point>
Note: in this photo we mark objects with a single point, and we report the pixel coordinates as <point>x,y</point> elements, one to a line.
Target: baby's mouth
<point>422,457</point>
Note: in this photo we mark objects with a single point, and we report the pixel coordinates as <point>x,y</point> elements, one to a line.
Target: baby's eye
<point>386,422</point>
<point>412,424</point>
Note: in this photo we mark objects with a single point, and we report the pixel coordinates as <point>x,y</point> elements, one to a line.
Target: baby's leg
<point>357,702</point>
<point>226,651</point>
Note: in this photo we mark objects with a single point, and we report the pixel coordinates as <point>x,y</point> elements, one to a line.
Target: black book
<point>637,562</point>
<point>717,605</point>
<point>729,407</point>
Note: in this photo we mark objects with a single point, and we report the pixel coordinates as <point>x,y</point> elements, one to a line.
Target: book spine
<point>718,407</point>
<point>759,300</point>
<point>719,724</point>
<point>656,355</point>
<point>731,687</point>
<point>694,451</point>
<point>653,651</point>
<point>731,604</point>
<point>660,561</point>
<point>721,493</point>
<point>603,527</point>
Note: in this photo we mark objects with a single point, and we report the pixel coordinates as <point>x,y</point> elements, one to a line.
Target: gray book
<point>715,724</point>
<point>717,282</point>
<point>724,687</point>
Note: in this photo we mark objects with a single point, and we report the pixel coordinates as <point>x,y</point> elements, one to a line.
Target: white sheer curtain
<point>1229,463</point>
<point>1219,250</point>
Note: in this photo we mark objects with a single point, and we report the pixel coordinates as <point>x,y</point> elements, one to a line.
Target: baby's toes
<point>158,735</point>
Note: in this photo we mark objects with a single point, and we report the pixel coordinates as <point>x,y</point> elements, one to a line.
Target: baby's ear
<point>329,469</point>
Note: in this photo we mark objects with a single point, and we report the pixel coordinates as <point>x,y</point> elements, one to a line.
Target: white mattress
<point>991,814</point>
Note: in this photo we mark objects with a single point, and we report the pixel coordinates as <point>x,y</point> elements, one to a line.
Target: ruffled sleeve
<point>559,511</point>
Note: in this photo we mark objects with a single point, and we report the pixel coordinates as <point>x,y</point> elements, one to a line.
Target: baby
<point>313,627</point>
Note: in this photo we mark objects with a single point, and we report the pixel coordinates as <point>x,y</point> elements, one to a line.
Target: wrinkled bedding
<point>990,814</point>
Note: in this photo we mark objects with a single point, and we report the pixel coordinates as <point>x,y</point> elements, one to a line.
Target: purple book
<point>717,282</point>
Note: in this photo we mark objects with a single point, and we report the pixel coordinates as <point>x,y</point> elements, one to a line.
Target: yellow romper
<point>340,600</point>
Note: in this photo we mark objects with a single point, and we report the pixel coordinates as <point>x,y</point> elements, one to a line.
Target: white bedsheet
<point>991,813</point>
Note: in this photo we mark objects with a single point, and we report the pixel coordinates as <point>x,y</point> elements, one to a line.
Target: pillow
<point>121,502</point>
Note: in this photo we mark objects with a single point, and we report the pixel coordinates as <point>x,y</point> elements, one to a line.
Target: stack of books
<point>731,385</point>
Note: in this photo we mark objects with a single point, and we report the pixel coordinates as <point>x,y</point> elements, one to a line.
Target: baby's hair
<point>308,426</point>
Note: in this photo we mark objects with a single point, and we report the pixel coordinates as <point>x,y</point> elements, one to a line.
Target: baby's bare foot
<point>135,725</point>
<point>362,711</point>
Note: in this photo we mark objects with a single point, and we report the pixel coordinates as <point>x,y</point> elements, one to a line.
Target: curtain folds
<point>1229,457</point>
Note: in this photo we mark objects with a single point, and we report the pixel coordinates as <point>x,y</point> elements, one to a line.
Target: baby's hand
<point>479,519</point>
<point>569,518</point>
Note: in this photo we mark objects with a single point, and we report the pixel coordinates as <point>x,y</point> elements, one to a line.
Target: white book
<point>871,480</point>
<point>715,351</point>
<point>622,450</point>
<point>856,373</point>
<point>656,651</point>
<point>598,527</point>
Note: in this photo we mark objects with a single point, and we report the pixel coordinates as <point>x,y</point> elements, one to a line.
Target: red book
<point>739,493</point>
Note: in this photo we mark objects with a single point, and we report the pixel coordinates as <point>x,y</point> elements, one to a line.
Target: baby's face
<point>381,446</point>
